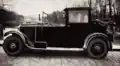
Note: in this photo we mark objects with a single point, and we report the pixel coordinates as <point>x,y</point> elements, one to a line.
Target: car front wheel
<point>97,48</point>
<point>13,45</point>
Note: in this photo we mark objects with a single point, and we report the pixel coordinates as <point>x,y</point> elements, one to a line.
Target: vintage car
<point>79,32</point>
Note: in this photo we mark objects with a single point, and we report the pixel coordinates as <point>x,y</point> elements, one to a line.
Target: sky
<point>34,7</point>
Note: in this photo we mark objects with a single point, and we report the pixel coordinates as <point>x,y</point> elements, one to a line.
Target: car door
<point>77,28</point>
<point>54,35</point>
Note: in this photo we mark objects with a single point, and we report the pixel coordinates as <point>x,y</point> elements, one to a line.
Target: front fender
<point>13,31</point>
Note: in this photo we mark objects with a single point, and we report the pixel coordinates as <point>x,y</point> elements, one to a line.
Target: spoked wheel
<point>13,45</point>
<point>97,48</point>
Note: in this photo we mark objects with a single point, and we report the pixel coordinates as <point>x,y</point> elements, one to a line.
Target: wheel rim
<point>13,46</point>
<point>97,49</point>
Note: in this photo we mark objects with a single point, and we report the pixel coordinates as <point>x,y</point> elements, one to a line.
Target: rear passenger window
<point>78,16</point>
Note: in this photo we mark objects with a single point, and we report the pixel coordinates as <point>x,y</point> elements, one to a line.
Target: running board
<point>56,48</point>
<point>64,49</point>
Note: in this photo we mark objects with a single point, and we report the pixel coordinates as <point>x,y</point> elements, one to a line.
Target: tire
<point>13,45</point>
<point>97,48</point>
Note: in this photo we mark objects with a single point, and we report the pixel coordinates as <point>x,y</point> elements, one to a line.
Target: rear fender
<point>93,35</point>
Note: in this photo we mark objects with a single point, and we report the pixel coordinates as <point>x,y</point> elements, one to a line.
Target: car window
<point>78,16</point>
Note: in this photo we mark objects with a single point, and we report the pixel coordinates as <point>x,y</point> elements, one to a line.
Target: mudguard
<point>13,31</point>
<point>93,35</point>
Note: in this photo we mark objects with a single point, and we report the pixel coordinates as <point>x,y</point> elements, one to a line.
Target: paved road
<point>58,58</point>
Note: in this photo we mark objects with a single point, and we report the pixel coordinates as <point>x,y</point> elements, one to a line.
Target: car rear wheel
<point>13,45</point>
<point>97,48</point>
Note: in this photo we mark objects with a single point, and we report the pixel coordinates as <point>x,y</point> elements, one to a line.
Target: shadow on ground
<point>53,53</point>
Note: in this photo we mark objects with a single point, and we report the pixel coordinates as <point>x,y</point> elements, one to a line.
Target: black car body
<point>72,34</point>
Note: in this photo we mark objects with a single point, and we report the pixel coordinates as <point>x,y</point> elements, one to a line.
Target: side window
<point>78,16</point>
